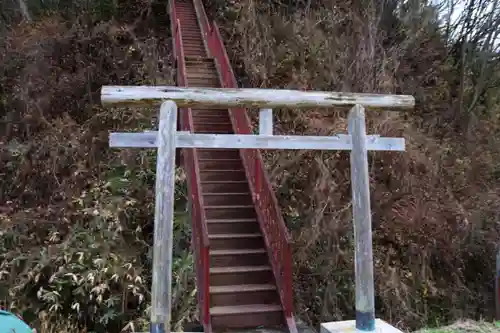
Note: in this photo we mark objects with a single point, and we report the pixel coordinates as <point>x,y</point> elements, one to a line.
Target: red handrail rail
<point>276,235</point>
<point>200,239</point>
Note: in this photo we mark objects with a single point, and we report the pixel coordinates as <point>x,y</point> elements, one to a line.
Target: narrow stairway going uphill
<point>241,245</point>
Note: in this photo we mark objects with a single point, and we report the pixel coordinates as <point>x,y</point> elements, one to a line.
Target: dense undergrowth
<point>76,217</point>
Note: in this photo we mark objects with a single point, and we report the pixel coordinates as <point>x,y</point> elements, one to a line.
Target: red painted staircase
<point>240,241</point>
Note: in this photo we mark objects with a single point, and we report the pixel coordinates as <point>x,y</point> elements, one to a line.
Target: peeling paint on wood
<point>247,97</point>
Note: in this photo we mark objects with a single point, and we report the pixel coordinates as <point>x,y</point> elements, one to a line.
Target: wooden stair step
<point>246,316</point>
<point>230,211</point>
<point>200,60</point>
<point>191,39</point>
<point>205,67</point>
<point>231,183</point>
<point>223,175</point>
<point>243,294</point>
<point>196,73</point>
<point>210,111</point>
<point>217,119</point>
<point>211,117</point>
<point>206,123</point>
<point>231,220</point>
<point>222,170</point>
<point>221,160</point>
<point>216,131</point>
<point>190,49</point>
<point>205,84</point>
<point>244,309</point>
<point>192,44</point>
<point>229,166</point>
<point>231,236</point>
<point>204,80</point>
<point>205,74</point>
<point>197,52</point>
<point>239,269</point>
<point>227,198</point>
<point>223,193</point>
<point>223,181</point>
<point>232,275</point>
<point>194,48</point>
<point>232,226</point>
<point>230,252</point>
<point>222,122</point>
<point>229,207</point>
<point>232,257</point>
<point>217,154</point>
<point>241,288</point>
<point>224,186</point>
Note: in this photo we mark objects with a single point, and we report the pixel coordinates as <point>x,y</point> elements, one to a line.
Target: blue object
<point>365,321</point>
<point>155,328</point>
<point>10,323</point>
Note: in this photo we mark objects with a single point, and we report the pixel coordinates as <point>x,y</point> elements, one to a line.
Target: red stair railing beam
<point>200,240</point>
<point>277,238</point>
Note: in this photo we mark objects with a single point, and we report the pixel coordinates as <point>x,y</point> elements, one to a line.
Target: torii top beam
<point>140,96</point>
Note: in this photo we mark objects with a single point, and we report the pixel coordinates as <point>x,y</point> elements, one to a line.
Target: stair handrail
<point>228,75</point>
<point>276,235</point>
<point>200,240</point>
<point>203,18</point>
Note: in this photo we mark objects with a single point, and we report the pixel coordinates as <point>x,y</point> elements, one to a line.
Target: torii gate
<point>167,139</point>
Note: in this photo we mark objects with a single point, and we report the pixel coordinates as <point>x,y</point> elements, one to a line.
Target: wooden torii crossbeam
<point>167,139</point>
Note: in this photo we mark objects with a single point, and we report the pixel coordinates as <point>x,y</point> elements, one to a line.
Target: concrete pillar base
<point>349,326</point>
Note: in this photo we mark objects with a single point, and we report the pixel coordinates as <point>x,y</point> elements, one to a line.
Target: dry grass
<point>468,326</point>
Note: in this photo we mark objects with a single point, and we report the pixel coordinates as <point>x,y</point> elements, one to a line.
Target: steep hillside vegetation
<point>76,216</point>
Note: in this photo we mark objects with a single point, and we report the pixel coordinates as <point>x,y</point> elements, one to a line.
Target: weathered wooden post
<point>363,255</point>
<point>266,122</point>
<point>265,128</point>
<point>164,218</point>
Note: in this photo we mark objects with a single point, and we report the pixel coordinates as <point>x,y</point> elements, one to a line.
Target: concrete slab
<point>349,326</point>
<point>302,327</point>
